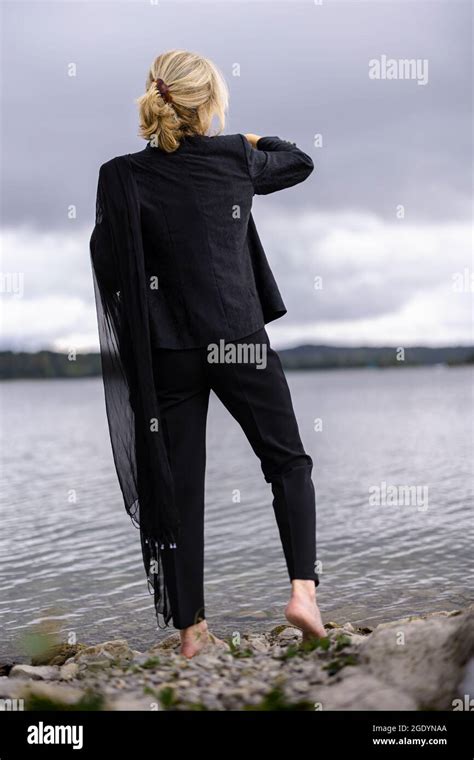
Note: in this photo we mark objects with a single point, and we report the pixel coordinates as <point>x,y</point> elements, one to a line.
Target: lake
<point>68,550</point>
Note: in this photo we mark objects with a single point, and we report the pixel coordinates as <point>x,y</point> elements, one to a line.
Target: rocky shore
<point>417,663</point>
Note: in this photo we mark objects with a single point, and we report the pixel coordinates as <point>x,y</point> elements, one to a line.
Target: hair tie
<point>163,89</point>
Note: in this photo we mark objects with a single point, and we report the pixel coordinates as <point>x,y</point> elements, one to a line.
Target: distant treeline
<point>48,364</point>
<point>331,357</point>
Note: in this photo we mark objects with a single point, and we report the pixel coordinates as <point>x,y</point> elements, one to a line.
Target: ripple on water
<point>69,551</point>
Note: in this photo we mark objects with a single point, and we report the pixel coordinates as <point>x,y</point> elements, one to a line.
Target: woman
<point>183,294</point>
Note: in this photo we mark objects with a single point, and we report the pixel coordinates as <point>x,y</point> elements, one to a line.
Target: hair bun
<point>199,92</point>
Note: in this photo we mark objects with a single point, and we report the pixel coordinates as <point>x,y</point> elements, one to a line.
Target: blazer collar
<point>187,140</point>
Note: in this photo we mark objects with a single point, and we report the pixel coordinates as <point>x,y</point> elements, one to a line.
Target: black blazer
<point>207,271</point>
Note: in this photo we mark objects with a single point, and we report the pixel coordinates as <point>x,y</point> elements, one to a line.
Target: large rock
<point>257,643</point>
<point>35,672</point>
<point>358,690</point>
<point>69,671</point>
<point>171,643</point>
<point>56,654</point>
<point>289,635</point>
<point>59,694</point>
<point>108,653</point>
<point>5,668</point>
<point>11,688</point>
<point>423,658</point>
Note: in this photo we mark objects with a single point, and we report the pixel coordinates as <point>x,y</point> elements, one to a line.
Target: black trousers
<point>253,388</point>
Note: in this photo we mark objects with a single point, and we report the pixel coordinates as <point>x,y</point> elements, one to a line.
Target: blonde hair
<point>197,91</point>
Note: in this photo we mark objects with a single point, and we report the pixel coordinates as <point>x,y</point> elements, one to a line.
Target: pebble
<point>217,679</point>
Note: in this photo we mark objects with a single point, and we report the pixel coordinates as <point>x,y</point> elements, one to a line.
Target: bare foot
<point>196,638</point>
<point>303,612</point>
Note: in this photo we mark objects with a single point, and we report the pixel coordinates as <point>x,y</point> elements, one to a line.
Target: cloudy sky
<point>384,221</point>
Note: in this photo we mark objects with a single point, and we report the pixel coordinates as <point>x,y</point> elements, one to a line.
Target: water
<point>69,551</point>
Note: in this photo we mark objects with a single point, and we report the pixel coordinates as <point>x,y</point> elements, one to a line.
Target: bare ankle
<point>303,588</point>
<point>195,629</point>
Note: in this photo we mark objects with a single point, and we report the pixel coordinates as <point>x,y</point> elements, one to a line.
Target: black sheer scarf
<point>133,414</point>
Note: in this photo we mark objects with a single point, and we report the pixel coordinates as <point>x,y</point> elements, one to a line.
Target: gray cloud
<point>303,71</point>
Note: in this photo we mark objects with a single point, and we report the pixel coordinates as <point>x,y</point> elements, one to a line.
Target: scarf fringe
<point>153,563</point>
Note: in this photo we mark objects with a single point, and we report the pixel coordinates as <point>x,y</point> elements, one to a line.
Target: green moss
<point>275,700</point>
<point>167,698</point>
<point>151,663</point>
<point>305,647</point>
<point>237,651</point>
<point>278,629</point>
<point>342,641</point>
<point>337,664</point>
<point>312,644</point>
<point>52,654</point>
<point>89,701</point>
<point>242,653</point>
<point>292,650</point>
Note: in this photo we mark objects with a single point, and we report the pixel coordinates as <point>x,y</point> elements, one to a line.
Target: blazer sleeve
<point>275,164</point>
<point>101,242</point>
